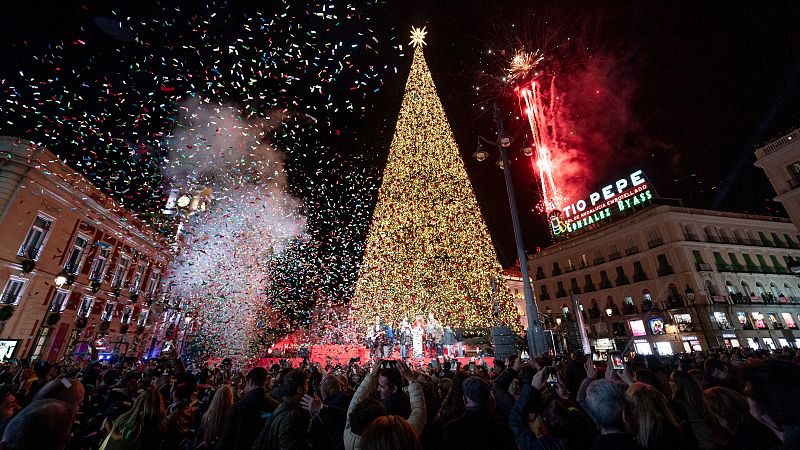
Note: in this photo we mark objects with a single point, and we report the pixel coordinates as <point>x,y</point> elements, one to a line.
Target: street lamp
<point>536,342</point>
<point>62,278</point>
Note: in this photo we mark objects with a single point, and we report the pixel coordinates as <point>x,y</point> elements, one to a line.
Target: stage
<point>342,354</point>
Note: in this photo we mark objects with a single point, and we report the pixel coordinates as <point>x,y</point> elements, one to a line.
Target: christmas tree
<point>428,249</point>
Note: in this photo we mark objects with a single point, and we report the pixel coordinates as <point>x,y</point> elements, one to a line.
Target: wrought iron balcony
<point>631,250</point>
<point>9,299</point>
<point>655,243</point>
<point>30,252</point>
<point>614,255</point>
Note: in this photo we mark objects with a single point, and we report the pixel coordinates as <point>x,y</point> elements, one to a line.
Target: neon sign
<point>624,195</point>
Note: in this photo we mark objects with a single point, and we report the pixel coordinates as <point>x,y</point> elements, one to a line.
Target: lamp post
<point>536,342</point>
<point>689,292</point>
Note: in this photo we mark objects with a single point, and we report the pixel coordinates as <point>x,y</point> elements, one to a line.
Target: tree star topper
<point>418,36</point>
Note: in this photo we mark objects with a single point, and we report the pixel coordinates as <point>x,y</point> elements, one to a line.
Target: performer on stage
<point>416,336</point>
<point>404,338</point>
<point>376,335</point>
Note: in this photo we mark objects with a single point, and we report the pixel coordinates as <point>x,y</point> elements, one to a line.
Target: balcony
<point>704,267</point>
<point>599,260</point>
<point>71,269</point>
<point>691,237</point>
<point>713,239</point>
<point>629,309</point>
<point>641,276</point>
<point>726,240</point>
<point>614,255</point>
<point>9,299</point>
<point>30,252</point>
<point>655,243</point>
<point>632,250</point>
<point>667,270</point>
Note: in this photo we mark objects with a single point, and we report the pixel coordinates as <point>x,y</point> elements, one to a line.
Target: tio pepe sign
<point>625,194</point>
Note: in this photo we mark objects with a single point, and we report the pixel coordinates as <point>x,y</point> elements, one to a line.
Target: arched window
<point>775,290</point>
<point>725,236</point>
<point>712,290</point>
<point>788,290</point>
<point>746,289</point>
<point>731,288</point>
<point>760,289</point>
<point>711,234</point>
<point>740,239</point>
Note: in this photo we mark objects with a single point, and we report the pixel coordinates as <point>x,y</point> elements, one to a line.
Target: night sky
<point>685,92</point>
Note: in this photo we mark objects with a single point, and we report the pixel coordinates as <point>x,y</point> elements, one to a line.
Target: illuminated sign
<point>637,327</point>
<point>624,195</point>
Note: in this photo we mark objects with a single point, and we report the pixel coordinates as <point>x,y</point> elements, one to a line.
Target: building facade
<point>670,279</point>
<point>79,274</point>
<point>780,160</point>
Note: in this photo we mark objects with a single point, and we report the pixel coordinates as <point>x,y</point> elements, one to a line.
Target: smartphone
<point>617,363</point>
<point>552,378</point>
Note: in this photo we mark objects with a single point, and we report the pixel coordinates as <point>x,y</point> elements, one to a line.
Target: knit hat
<point>476,389</point>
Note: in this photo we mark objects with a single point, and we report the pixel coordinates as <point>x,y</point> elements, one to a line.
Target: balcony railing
<point>662,271</point>
<point>631,250</point>
<point>704,267</point>
<point>599,260</point>
<point>614,255</point>
<point>9,299</point>
<point>692,237</point>
<point>71,269</point>
<point>655,243</point>
<point>30,252</point>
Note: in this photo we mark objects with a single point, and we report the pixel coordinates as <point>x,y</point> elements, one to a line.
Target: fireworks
<point>539,120</point>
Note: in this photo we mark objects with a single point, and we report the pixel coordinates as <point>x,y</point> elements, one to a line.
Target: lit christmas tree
<point>428,249</point>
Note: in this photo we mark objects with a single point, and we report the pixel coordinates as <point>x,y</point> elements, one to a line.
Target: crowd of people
<point>720,399</point>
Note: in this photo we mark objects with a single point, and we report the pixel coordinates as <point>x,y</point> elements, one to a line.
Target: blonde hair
<point>650,412</point>
<point>212,421</point>
<point>145,416</point>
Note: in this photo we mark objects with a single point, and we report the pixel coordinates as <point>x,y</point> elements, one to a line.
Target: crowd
<point>723,399</point>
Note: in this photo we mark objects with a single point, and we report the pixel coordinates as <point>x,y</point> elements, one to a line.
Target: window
<point>152,283</point>
<point>712,290</point>
<point>76,255</point>
<point>41,340</point>
<point>99,264</point>
<point>143,318</point>
<point>746,289</point>
<point>127,315</point>
<point>121,272</point>
<point>86,306</point>
<point>12,293</point>
<point>59,301</point>
<point>721,320</point>
<point>108,312</point>
<point>743,320</point>
<point>794,171</point>
<point>731,288</point>
<point>758,320</point>
<point>774,321</point>
<point>34,241</point>
<point>789,321</point>
<point>683,322</point>
<point>136,282</point>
